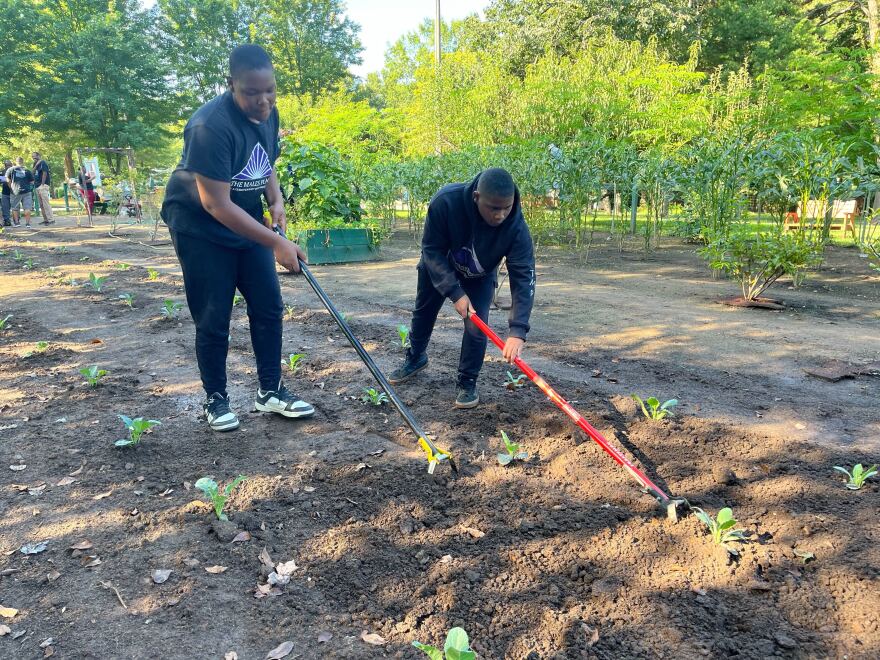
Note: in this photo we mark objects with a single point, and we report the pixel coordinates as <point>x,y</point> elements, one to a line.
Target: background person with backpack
<point>21,183</point>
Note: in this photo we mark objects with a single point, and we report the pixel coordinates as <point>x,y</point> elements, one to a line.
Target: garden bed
<point>558,557</point>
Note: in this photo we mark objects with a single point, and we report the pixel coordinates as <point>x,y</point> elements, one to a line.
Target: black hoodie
<point>458,244</point>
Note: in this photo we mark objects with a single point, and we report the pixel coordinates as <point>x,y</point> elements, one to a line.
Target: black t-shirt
<point>21,180</point>
<point>86,182</point>
<point>39,168</point>
<point>221,143</point>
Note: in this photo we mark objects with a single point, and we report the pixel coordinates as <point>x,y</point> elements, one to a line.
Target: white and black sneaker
<point>220,417</point>
<point>283,402</point>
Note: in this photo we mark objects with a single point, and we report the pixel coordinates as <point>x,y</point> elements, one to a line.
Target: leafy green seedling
<point>457,647</point>
<point>40,347</point>
<point>96,282</point>
<point>237,299</point>
<point>210,488</point>
<point>514,382</point>
<point>656,410</point>
<point>28,264</point>
<point>513,452</point>
<point>127,298</point>
<point>72,281</point>
<point>93,375</point>
<point>123,266</point>
<point>4,322</point>
<point>152,274</point>
<point>374,396</point>
<point>723,528</point>
<point>403,333</point>
<point>858,476</point>
<point>171,309</point>
<point>136,428</point>
<point>62,249</point>
<point>293,361</point>
<point>18,255</point>
<point>288,312</point>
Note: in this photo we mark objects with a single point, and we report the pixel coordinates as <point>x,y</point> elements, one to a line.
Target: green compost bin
<point>337,246</point>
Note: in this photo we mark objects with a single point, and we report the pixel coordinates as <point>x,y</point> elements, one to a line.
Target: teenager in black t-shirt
<point>214,209</point>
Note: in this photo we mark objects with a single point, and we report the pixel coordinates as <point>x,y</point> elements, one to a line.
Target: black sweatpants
<point>473,343</point>
<point>211,273</point>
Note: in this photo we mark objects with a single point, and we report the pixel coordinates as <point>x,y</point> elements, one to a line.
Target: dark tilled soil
<point>561,556</point>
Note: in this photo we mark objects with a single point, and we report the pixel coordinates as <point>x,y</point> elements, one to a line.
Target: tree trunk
<point>872,13</point>
<point>69,169</point>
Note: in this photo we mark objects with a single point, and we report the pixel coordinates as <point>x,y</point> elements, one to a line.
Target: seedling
<point>514,382</point>
<point>218,499</point>
<point>93,375</point>
<point>722,528</point>
<point>4,322</point>
<point>656,410</point>
<point>171,309</point>
<point>288,312</point>
<point>96,282</point>
<point>293,361</point>
<point>136,428</point>
<point>152,274</point>
<point>858,476</point>
<point>40,347</point>
<point>457,647</point>
<point>62,249</point>
<point>123,266</point>
<point>403,333</point>
<point>28,264</point>
<point>18,255</point>
<point>237,299</point>
<point>127,298</point>
<point>513,452</point>
<point>374,396</point>
<point>84,258</point>
<point>72,281</point>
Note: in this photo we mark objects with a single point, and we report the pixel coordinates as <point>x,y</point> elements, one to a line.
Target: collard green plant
<point>171,309</point>
<point>39,347</point>
<point>93,375</point>
<point>858,476</point>
<point>4,322</point>
<point>512,451</point>
<point>123,266</point>
<point>218,497</point>
<point>127,298</point>
<point>457,647</point>
<point>374,396</point>
<point>293,361</point>
<point>722,528</point>
<point>515,382</point>
<point>653,409</point>
<point>152,274</point>
<point>237,299</point>
<point>403,334</point>
<point>97,283</point>
<point>136,428</point>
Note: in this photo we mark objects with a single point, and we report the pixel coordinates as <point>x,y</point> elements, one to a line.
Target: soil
<point>559,556</point>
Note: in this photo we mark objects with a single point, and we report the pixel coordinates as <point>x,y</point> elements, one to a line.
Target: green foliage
<point>152,274</point>
<point>136,428</point>
<point>757,260</point>
<point>654,410</point>
<point>515,382</point>
<point>403,335</point>
<point>97,283</point>
<point>39,347</point>
<point>123,266</point>
<point>293,362</point>
<point>723,528</point>
<point>218,497</point>
<point>513,452</point>
<point>858,476</point>
<point>4,322</point>
<point>127,298</point>
<point>374,396</point>
<point>93,375</point>
<point>171,309</point>
<point>237,299</point>
<point>457,647</point>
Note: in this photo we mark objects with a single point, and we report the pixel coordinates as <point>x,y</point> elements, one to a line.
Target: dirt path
<point>560,557</point>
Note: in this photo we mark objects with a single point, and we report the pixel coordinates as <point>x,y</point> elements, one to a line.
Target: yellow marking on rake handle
<point>434,454</point>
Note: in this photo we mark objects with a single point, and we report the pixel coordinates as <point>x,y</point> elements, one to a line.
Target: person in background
<point>87,187</point>
<point>7,194</point>
<point>21,184</point>
<point>43,182</point>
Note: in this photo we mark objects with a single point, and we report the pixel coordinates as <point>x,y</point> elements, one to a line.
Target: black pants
<point>211,273</point>
<point>473,343</point>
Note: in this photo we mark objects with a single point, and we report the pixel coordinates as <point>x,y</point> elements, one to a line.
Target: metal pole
<point>437,36</point>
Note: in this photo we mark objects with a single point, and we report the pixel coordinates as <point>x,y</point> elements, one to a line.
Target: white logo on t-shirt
<point>256,173</point>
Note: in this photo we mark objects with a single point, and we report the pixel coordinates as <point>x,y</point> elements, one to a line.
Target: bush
<point>756,261</point>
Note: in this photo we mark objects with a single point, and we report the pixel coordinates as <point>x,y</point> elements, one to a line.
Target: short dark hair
<point>496,181</point>
<point>248,57</point>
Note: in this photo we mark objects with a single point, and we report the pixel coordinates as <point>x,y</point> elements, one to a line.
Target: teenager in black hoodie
<point>470,228</point>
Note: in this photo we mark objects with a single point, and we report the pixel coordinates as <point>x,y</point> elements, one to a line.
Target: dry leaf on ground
<point>160,575</point>
<point>82,545</point>
<point>241,537</point>
<point>324,637</point>
<point>280,651</point>
<point>53,575</point>
<point>8,612</point>
<point>215,569</point>
<point>103,495</point>
<point>77,472</point>
<point>372,638</point>
<point>5,630</point>
<point>66,481</point>
<point>474,532</point>
<point>286,568</point>
<point>265,559</point>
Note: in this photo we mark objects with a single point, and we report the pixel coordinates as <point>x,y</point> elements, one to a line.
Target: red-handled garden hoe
<point>673,506</point>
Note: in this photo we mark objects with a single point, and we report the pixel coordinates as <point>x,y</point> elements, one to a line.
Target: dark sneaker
<point>220,417</point>
<point>411,366</point>
<point>467,396</point>
<point>284,402</point>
